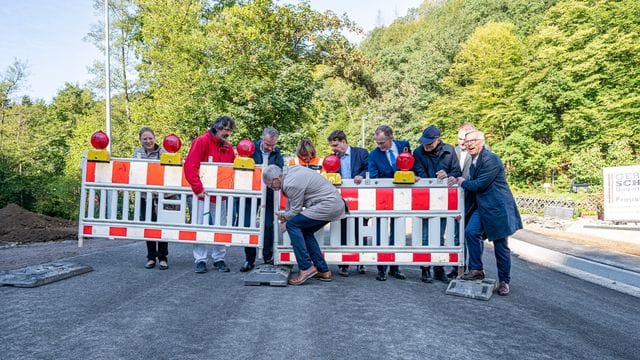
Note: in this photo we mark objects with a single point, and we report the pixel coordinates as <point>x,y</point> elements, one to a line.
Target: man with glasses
<point>266,153</point>
<point>491,211</point>
<point>211,146</point>
<point>382,164</point>
<point>435,159</point>
<point>312,202</point>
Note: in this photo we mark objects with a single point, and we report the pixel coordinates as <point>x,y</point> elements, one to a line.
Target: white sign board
<point>622,193</point>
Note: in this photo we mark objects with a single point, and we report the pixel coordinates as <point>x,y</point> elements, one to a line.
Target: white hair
<point>271,172</point>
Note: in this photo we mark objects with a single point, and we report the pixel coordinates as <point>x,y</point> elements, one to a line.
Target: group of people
<point>312,202</point>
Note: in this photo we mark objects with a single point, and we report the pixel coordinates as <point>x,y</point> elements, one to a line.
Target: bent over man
<point>312,202</point>
<point>491,211</point>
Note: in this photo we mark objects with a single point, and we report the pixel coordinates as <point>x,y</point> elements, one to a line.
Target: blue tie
<point>393,159</point>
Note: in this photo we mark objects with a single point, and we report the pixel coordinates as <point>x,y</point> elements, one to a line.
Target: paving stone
<point>268,275</point>
<point>42,274</point>
<point>475,289</point>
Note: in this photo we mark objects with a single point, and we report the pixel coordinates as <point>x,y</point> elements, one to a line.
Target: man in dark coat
<point>491,211</point>
<point>435,159</point>
<point>266,153</point>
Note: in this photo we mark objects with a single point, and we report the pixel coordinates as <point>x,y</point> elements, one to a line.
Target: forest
<point>553,84</point>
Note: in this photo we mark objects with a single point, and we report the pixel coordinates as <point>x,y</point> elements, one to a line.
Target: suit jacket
<point>310,194</point>
<point>379,167</point>
<point>488,192</point>
<point>467,162</point>
<point>359,162</point>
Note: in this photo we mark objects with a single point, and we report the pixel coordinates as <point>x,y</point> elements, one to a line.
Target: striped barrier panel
<point>378,208</point>
<point>114,203</point>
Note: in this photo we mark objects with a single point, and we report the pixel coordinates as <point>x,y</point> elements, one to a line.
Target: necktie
<point>472,170</point>
<point>393,159</point>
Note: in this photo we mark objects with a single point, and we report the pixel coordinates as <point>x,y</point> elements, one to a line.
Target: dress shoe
<point>397,274</point>
<point>221,266</point>
<point>453,274</point>
<point>150,264</point>
<point>382,276</point>
<point>344,271</point>
<point>438,274</point>
<point>426,275</point>
<point>473,275</point>
<point>247,266</point>
<point>503,289</point>
<point>303,275</point>
<point>324,276</point>
<point>201,267</point>
<point>269,261</point>
<point>362,269</point>
<point>163,264</point>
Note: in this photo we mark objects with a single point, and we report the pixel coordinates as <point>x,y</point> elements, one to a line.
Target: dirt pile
<point>18,225</point>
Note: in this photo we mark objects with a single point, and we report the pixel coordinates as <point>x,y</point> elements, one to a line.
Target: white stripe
<point>438,199</point>
<point>103,172</point>
<point>404,257</point>
<point>100,230</point>
<point>169,234</point>
<point>333,257</point>
<point>209,175</point>
<point>368,257</point>
<point>240,238</point>
<point>173,176</point>
<point>243,180</point>
<point>401,199</point>
<point>204,236</point>
<point>138,173</point>
<point>439,257</point>
<point>135,233</point>
<point>366,199</point>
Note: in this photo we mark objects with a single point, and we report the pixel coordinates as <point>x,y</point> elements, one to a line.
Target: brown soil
<point>18,225</point>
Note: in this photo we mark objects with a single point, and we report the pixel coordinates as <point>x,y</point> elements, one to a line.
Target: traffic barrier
<point>373,206</point>
<point>114,203</point>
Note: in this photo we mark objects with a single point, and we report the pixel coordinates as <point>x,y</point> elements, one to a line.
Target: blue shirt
<point>345,164</point>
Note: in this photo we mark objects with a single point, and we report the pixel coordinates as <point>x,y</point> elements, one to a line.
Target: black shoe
<point>150,264</point>
<point>426,275</point>
<point>362,269</point>
<point>453,274</point>
<point>382,276</point>
<point>397,274</point>
<point>201,267</point>
<point>221,266</point>
<point>247,266</point>
<point>438,274</point>
<point>269,261</point>
<point>344,270</point>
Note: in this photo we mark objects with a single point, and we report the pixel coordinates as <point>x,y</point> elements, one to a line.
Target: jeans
<point>474,236</point>
<point>305,245</point>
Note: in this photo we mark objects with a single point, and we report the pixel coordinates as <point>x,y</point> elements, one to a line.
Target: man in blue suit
<point>266,153</point>
<point>353,165</point>
<point>382,164</point>
<point>491,211</point>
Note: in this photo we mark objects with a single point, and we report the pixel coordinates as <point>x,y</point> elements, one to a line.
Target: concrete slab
<point>42,274</point>
<point>267,274</point>
<point>475,289</point>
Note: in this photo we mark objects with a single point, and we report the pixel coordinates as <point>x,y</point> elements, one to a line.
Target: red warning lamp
<point>245,147</point>
<point>172,143</point>
<point>331,164</point>
<point>99,140</point>
<point>405,161</point>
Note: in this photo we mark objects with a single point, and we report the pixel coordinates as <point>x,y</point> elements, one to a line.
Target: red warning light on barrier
<point>172,143</point>
<point>331,164</point>
<point>246,147</point>
<point>405,161</point>
<point>99,140</point>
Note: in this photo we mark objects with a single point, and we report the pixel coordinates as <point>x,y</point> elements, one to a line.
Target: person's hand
<point>458,217</point>
<point>441,174</point>
<point>357,179</point>
<point>201,195</point>
<point>417,178</point>
<point>280,216</point>
<point>283,226</point>
<point>461,180</point>
<point>452,181</point>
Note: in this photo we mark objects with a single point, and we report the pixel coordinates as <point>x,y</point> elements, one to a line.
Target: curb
<point>595,272</point>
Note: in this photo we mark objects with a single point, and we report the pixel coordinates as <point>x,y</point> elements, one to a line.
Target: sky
<point>48,36</point>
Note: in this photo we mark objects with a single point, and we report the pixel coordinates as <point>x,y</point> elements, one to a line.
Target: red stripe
<point>117,231</point>
<point>286,257</point>
<point>225,177</point>
<point>351,257</point>
<point>222,238</point>
<point>187,235</point>
<point>386,257</point>
<point>453,199</point>
<point>153,233</point>
<point>253,239</point>
<point>421,257</point>
<point>120,174</point>
<point>283,201</point>
<point>419,199</point>
<point>257,179</point>
<point>453,257</point>
<point>350,195</point>
<point>91,172</point>
<point>87,230</point>
<point>384,199</point>
<point>155,174</point>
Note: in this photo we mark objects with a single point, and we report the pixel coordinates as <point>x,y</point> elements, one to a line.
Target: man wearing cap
<point>382,164</point>
<point>435,159</point>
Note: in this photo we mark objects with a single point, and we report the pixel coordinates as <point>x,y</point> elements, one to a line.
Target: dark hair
<point>337,135</point>
<point>386,130</point>
<point>145,129</point>
<point>306,148</point>
<point>222,122</point>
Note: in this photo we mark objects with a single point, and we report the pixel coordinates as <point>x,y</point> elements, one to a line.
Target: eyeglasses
<point>469,141</point>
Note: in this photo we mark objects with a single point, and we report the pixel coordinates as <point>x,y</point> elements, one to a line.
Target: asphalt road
<point>123,311</point>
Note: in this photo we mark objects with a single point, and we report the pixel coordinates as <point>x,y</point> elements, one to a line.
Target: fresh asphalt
<point>123,311</point>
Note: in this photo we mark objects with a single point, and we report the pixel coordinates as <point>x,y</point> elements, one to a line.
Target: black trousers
<point>155,249</point>
<point>250,253</point>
